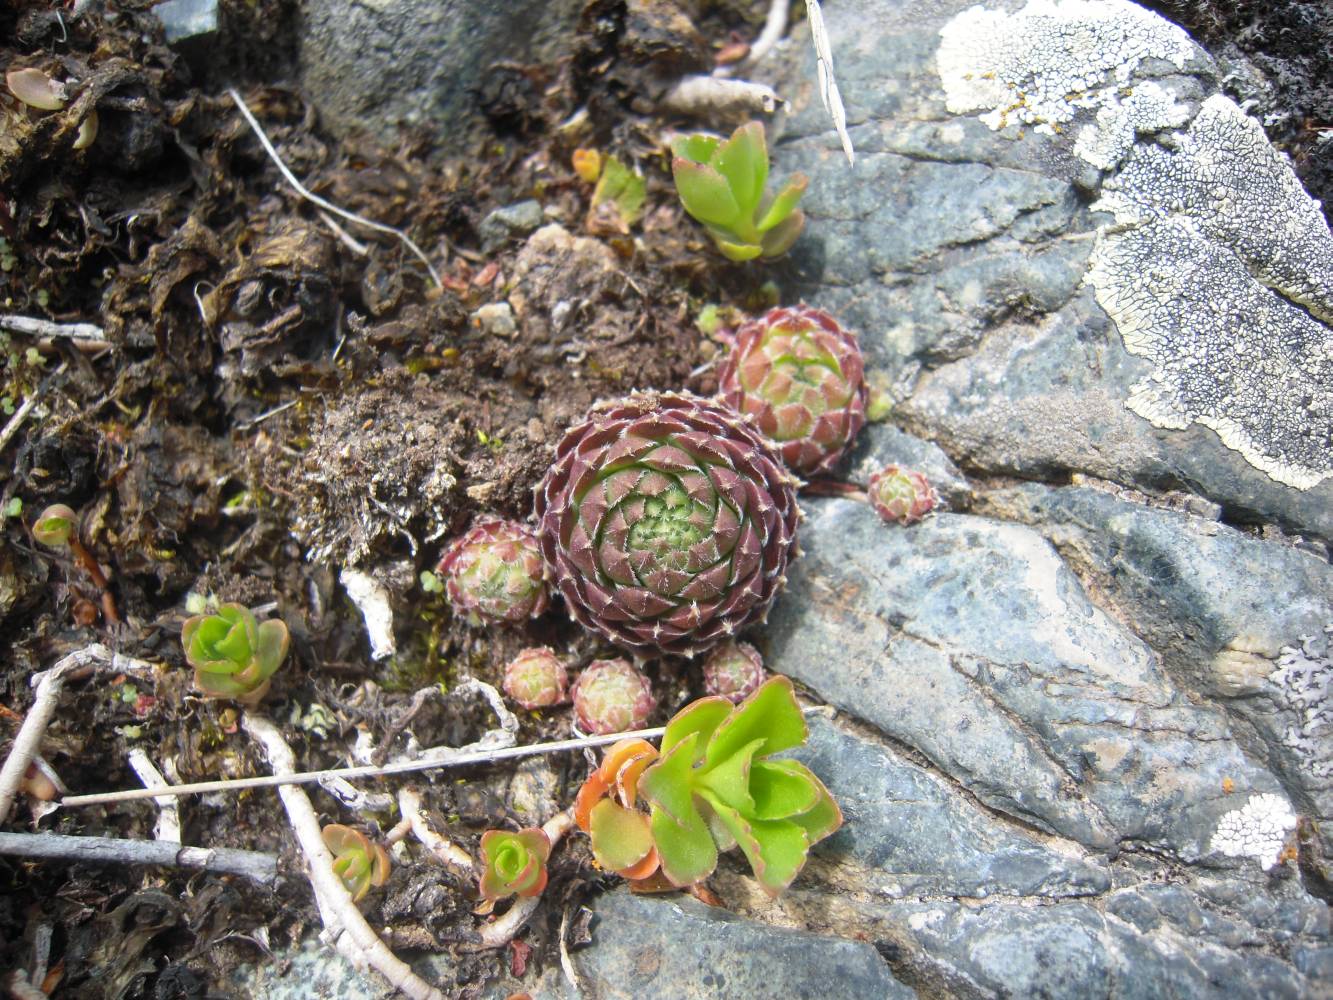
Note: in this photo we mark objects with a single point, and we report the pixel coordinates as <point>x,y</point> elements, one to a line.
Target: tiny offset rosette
<point>356,860</point>
<point>494,573</point>
<point>802,377</point>
<point>233,655</point>
<point>536,678</point>
<point>901,496</point>
<point>734,670</point>
<point>513,863</point>
<point>668,521</point>
<point>612,697</point>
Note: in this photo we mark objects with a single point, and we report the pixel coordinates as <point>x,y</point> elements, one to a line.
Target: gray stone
<point>677,947</point>
<point>376,65</point>
<point>971,640</point>
<point>908,832</point>
<point>187,20</point>
<point>1237,618</point>
<point>509,222</point>
<point>961,251</point>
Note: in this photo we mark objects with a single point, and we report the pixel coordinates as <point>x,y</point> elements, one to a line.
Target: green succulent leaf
<point>780,238</point>
<point>700,717</point>
<point>697,148</point>
<point>783,203</point>
<point>273,640</point>
<point>669,783</point>
<point>623,187</point>
<point>770,714</point>
<point>729,780</point>
<point>513,862</point>
<point>687,849</point>
<point>776,849</point>
<point>737,251</point>
<point>782,789</point>
<point>233,655</point>
<point>705,193</point>
<point>621,837</point>
<point>743,161</point>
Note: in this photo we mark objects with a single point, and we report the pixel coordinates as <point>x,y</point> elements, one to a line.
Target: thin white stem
<point>444,849</point>
<point>168,825</point>
<point>355,938</point>
<point>828,83</point>
<point>443,760</point>
<point>262,868</point>
<point>24,408</point>
<point>775,26</point>
<point>324,203</point>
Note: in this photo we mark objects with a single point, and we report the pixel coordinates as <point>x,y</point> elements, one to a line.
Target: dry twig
<point>444,849</point>
<point>24,408</point>
<point>33,327</point>
<point>324,203</point>
<point>168,827</point>
<point>261,868</point>
<point>344,925</point>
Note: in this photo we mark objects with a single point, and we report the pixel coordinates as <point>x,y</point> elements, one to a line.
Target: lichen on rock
<point>1303,682</point>
<point>1256,830</point>
<point>1043,64</point>
<point>1221,278</point>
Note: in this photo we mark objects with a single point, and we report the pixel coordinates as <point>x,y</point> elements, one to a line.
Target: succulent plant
<point>668,521</point>
<point>358,862</point>
<point>711,787</point>
<point>901,495</point>
<point>55,526</point>
<point>536,678</point>
<point>610,696</point>
<point>734,670</point>
<point>802,377</point>
<point>513,862</point>
<point>233,655</point>
<point>721,184</point>
<point>494,573</point>
<point>622,841</point>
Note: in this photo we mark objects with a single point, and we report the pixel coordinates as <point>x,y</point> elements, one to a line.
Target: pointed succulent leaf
<point>701,717</point>
<point>696,148</point>
<point>776,849</point>
<point>782,789</point>
<point>783,203</point>
<point>705,193</point>
<point>621,838</point>
<point>729,779</point>
<point>743,161</point>
<point>668,784</point>
<point>780,238</point>
<point>770,714</point>
<point>687,851</point>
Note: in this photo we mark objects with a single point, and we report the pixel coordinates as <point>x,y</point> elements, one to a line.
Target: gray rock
<point>961,252</point>
<point>908,832</point>
<point>972,641</point>
<point>187,20</point>
<point>509,222</point>
<point>375,66</point>
<point>679,948</point>
<point>1236,618</point>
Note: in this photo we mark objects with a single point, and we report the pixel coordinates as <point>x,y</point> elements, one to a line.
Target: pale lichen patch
<point>1303,683</point>
<point>1039,66</point>
<point>1259,830</point>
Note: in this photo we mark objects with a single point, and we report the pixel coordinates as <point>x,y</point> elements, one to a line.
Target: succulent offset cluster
<point>901,496</point>
<point>722,184</point>
<point>734,670</point>
<point>711,787</point>
<point>668,521</point>
<point>802,377</point>
<point>612,697</point>
<point>537,678</point>
<point>234,655</point>
<point>494,573</point>
<point>513,863</point>
<point>356,860</point>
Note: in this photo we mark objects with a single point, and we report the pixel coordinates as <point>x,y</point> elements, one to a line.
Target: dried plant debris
<point>1223,278</point>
